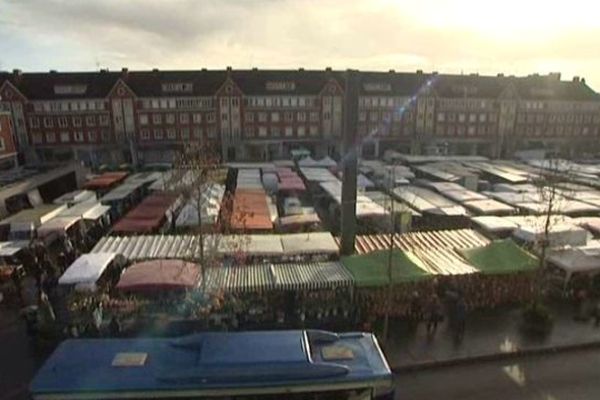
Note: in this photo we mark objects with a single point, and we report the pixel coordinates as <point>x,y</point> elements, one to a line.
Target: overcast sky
<point>486,36</point>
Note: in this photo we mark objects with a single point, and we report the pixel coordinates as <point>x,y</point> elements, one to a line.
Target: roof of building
<point>149,83</point>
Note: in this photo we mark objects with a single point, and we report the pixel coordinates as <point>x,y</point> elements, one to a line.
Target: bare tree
<point>552,175</point>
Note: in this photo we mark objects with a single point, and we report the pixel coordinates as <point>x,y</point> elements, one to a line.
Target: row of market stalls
<point>266,246</point>
<point>284,282</point>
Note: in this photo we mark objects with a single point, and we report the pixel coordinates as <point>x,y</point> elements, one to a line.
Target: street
<point>567,376</point>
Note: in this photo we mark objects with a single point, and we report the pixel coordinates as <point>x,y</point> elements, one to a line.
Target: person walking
<point>434,314</point>
<point>416,308</point>
<point>460,314</point>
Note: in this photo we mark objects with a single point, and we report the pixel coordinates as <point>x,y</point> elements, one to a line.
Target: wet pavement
<point>19,358</point>
<point>566,376</point>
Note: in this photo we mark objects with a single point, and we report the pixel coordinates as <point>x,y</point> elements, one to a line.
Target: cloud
<point>448,36</point>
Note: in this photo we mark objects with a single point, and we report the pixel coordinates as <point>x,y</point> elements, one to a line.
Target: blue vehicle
<point>298,364</point>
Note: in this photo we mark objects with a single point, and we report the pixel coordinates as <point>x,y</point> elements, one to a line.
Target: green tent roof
<point>370,269</point>
<point>500,257</point>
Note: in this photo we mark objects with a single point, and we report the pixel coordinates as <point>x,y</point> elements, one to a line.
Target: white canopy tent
<point>86,270</point>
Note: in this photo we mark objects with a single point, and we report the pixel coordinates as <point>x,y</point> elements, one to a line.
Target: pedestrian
<point>597,314</point>
<point>434,314</point>
<point>416,309</point>
<point>460,314</point>
<point>114,327</point>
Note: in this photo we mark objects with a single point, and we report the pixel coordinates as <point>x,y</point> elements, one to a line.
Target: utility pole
<point>388,299</point>
<point>349,162</point>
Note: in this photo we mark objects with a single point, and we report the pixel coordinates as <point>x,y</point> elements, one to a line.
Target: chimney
<point>554,76</point>
<point>204,70</point>
<point>328,69</point>
<point>301,69</point>
<point>155,70</point>
<point>52,71</point>
<point>229,68</point>
<point>419,72</point>
<point>17,75</point>
<point>575,79</point>
<point>434,73</point>
<point>124,70</point>
<point>500,75</point>
<point>392,71</point>
<point>583,80</point>
<point>253,69</point>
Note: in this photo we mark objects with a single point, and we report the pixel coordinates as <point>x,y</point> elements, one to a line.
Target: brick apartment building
<point>8,150</point>
<point>145,116</point>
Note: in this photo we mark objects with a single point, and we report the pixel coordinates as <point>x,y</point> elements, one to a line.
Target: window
<point>64,137</point>
<point>289,131</point>
<point>170,119</point>
<point>36,137</point>
<point>34,122</point>
<point>210,117</point>
<point>362,116</point>
<point>288,117</point>
<point>249,117</point>
<point>224,101</point>
<point>90,120</point>
<point>472,118</point>
<point>275,117</point>
<point>372,116</point>
<point>78,136</point>
<point>156,119</point>
<point>197,118</point>
<point>314,130</point>
<point>326,116</point>
<point>143,119</point>
<point>185,133</point>
<point>235,102</point>
<point>275,131</point>
<point>301,131</point>
<point>77,121</point>
<point>105,135</point>
<point>250,131</point>
<point>48,122</point>
<point>184,118</point>
<point>158,134</point>
<point>62,122</point>
<point>262,131</point>
<point>145,134</point>
<point>461,117</point>
<point>197,132</point>
<point>314,116</point>
<point>91,136</point>
<point>302,116</point>
<point>164,103</point>
<point>441,117</point>
<point>482,117</point>
<point>171,134</point>
<point>224,117</point>
<point>211,133</point>
<point>104,120</point>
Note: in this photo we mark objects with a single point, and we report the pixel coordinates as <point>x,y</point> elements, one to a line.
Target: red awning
<point>157,275</point>
<point>250,210</point>
<point>105,180</point>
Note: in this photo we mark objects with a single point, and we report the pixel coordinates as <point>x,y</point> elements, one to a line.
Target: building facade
<point>146,116</point>
<point>8,150</point>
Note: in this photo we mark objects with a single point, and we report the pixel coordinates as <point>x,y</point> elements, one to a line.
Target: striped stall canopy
<point>292,276</point>
<point>449,239</point>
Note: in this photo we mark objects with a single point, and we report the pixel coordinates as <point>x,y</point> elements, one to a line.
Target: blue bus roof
<point>211,363</point>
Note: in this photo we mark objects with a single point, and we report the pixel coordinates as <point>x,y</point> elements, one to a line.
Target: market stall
<point>158,276</point>
<point>92,272</point>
